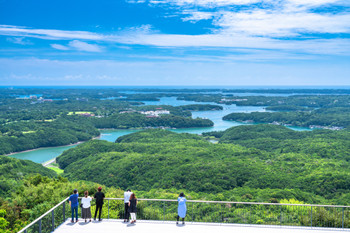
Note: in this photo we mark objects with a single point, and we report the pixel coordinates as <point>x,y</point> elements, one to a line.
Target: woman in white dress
<point>86,206</point>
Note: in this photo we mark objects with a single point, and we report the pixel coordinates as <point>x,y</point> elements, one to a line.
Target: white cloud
<point>135,1</point>
<point>230,36</point>
<point>221,3</point>
<point>82,46</point>
<point>231,55</point>
<point>315,2</point>
<point>18,40</point>
<point>74,77</point>
<point>282,24</point>
<point>235,36</point>
<point>197,15</point>
<point>59,47</point>
<point>144,28</point>
<point>286,25</point>
<point>273,19</point>
<point>78,45</point>
<point>205,3</point>
<point>270,18</point>
<point>48,34</point>
<point>51,34</point>
<point>314,46</point>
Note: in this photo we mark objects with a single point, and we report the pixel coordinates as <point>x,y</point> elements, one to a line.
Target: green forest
<point>248,163</point>
<point>29,123</point>
<point>310,101</point>
<point>331,117</point>
<point>163,159</point>
<point>159,163</point>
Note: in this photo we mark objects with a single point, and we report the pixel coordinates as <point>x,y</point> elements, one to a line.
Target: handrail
<point>235,202</point>
<point>38,219</point>
<point>24,230</point>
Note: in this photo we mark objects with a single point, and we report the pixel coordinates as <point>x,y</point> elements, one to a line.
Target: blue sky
<point>175,42</point>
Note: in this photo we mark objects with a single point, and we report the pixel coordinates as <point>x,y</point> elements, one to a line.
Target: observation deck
<point>112,226</point>
<point>159,215</point>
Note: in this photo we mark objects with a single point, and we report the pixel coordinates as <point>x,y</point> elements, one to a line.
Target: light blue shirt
<point>181,210</point>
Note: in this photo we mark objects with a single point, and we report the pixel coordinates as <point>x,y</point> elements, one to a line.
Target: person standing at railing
<point>127,195</point>
<point>132,207</point>
<point>74,203</point>
<point>181,209</point>
<point>86,204</point>
<point>99,196</point>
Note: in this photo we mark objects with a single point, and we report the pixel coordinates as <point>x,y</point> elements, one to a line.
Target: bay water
<point>45,154</point>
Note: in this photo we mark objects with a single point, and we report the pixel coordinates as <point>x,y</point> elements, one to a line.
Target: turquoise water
<point>297,128</point>
<point>113,134</point>
<point>28,96</point>
<point>44,154</point>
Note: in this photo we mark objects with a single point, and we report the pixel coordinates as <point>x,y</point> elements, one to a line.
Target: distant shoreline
<point>73,144</point>
<point>183,86</point>
<point>77,143</point>
<point>100,129</point>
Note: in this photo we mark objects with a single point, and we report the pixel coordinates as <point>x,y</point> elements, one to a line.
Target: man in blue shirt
<point>74,203</point>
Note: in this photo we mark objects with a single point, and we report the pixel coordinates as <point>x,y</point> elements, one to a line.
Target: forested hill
<point>159,159</point>
<point>137,120</point>
<point>152,136</point>
<point>162,159</point>
<point>279,139</point>
<point>302,167</point>
<point>325,117</point>
<point>95,147</point>
<point>12,170</point>
<point>20,136</point>
<point>68,129</point>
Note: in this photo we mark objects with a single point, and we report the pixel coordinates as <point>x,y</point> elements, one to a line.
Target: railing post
<point>192,211</point>
<point>311,216</point>
<point>64,211</point>
<point>233,219</point>
<point>250,215</point>
<point>342,222</point>
<point>222,219</point>
<point>53,219</point>
<point>39,226</point>
<point>163,210</point>
<point>108,209</point>
<point>281,217</point>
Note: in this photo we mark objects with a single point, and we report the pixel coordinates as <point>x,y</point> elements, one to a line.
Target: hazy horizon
<point>252,87</point>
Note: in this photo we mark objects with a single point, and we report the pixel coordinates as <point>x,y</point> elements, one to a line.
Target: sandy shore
<point>47,163</point>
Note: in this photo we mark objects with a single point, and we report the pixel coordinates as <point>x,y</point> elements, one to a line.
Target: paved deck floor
<point>106,226</point>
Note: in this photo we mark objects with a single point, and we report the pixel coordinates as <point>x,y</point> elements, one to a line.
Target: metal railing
<point>253,213</point>
<point>49,221</point>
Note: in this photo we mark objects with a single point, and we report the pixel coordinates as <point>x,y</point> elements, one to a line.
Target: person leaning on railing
<point>127,195</point>
<point>86,204</point>
<point>99,196</point>
<point>74,203</point>
<point>132,207</point>
<point>181,209</point>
